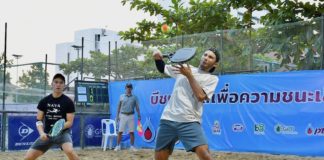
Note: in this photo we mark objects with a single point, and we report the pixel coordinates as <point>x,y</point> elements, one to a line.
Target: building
<point>94,40</point>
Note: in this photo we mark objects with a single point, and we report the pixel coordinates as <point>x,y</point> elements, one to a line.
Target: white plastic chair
<point>108,133</point>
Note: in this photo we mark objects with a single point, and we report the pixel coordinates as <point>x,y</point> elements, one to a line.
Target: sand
<point>148,154</point>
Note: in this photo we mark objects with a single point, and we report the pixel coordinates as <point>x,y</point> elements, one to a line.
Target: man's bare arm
<point>196,88</point>
<point>69,120</point>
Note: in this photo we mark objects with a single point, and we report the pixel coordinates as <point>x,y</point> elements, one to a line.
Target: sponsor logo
<point>238,127</point>
<point>24,131</point>
<point>259,128</point>
<point>149,131</point>
<point>284,129</point>
<point>216,129</point>
<point>314,131</point>
<point>91,131</point>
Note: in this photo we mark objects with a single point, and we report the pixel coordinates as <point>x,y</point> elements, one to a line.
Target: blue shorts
<point>189,133</point>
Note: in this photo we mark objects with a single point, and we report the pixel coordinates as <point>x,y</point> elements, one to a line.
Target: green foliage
<point>28,95</point>
<point>8,76</point>
<point>145,30</point>
<point>295,44</point>
<point>33,83</point>
<point>131,62</point>
<point>125,63</point>
<point>291,11</point>
<point>8,64</point>
<point>34,78</point>
<point>201,16</point>
<point>250,6</point>
<point>208,23</point>
<point>96,65</point>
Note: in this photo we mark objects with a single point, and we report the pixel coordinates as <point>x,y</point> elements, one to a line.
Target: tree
<point>290,44</point>
<point>201,16</point>
<point>124,64</point>
<point>34,78</point>
<point>8,76</point>
<point>8,64</point>
<point>96,65</point>
<point>294,41</point>
<point>33,82</point>
<point>291,11</point>
<point>131,61</point>
<point>204,24</point>
<point>250,6</point>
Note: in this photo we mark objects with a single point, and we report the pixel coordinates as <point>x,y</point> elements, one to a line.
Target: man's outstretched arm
<point>159,63</point>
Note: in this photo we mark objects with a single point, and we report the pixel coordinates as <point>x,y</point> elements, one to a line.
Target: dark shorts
<point>189,133</point>
<point>43,146</point>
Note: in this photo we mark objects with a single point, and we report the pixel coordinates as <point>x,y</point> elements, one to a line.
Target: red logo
<point>314,131</point>
<point>149,131</point>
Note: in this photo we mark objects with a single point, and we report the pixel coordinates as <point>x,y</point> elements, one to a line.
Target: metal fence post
<point>4,70</point>
<point>45,75</point>
<point>82,49</point>
<point>109,62</point>
<point>82,131</point>
<point>222,53</point>
<point>3,131</point>
<point>322,43</point>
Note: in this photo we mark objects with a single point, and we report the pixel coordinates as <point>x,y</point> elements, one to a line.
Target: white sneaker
<point>132,148</point>
<point>117,148</point>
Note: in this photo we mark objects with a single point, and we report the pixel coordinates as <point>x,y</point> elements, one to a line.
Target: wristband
<point>39,123</point>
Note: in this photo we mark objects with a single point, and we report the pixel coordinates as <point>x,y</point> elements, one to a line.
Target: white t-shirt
<point>183,105</point>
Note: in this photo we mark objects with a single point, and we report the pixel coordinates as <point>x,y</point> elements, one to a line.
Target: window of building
<point>97,37</point>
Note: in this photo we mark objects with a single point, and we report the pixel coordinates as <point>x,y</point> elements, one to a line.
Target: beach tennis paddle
<point>57,128</point>
<point>181,55</point>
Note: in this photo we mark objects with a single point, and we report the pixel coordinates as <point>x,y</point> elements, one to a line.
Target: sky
<point>36,26</point>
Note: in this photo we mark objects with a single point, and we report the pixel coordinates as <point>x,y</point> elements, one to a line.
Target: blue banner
<point>76,130</point>
<point>150,108</point>
<point>92,130</point>
<point>278,113</point>
<point>0,130</point>
<point>23,132</point>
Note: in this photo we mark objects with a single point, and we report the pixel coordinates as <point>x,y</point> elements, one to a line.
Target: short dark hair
<point>60,76</point>
<point>129,85</point>
<point>215,51</point>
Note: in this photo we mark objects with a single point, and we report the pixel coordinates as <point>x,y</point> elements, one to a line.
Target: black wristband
<point>160,65</point>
